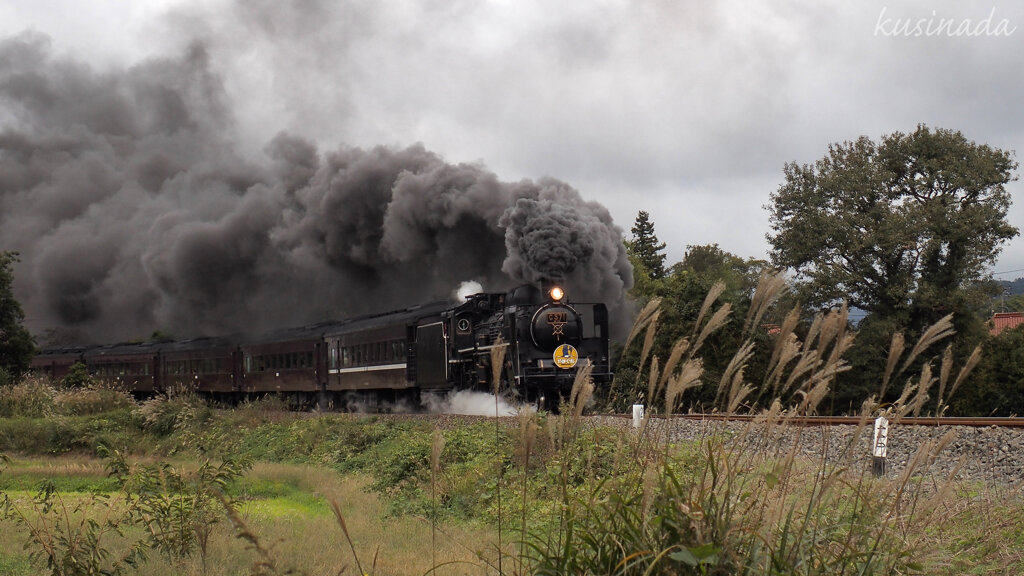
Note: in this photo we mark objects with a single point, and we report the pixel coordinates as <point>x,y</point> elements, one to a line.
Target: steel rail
<point>981,422</point>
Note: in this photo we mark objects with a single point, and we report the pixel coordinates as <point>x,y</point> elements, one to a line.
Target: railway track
<point>982,422</point>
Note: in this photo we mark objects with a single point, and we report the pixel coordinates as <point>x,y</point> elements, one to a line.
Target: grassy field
<point>287,507</point>
<point>418,499</point>
<point>94,480</point>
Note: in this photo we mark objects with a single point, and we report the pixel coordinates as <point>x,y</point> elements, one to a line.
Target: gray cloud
<point>688,111</point>
<point>134,211</point>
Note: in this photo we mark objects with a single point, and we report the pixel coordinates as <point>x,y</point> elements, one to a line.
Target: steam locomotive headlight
<point>557,294</point>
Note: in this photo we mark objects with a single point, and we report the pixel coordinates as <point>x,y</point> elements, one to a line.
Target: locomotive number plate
<point>565,356</point>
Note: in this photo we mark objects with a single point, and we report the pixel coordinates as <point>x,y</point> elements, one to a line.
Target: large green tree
<point>908,223</point>
<point>645,247</point>
<point>902,229</point>
<point>16,343</point>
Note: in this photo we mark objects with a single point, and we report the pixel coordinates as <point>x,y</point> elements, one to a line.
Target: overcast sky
<point>687,110</point>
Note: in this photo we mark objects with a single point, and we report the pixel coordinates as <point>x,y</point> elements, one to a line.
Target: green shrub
<point>62,434</point>
<point>77,537</point>
<point>32,398</point>
<point>177,510</point>
<point>91,400</point>
<point>165,414</point>
<point>77,377</point>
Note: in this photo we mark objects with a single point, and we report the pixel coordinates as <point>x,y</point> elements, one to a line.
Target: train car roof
<point>380,320</point>
<point>125,348</point>
<point>63,351</point>
<point>203,343</point>
<point>295,333</point>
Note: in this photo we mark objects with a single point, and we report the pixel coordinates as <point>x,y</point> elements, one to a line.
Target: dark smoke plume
<point>134,211</point>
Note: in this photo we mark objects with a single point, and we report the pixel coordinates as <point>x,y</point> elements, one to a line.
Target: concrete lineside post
<point>638,415</point>
<point>879,443</point>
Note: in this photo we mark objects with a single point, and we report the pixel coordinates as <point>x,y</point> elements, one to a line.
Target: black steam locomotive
<point>370,362</point>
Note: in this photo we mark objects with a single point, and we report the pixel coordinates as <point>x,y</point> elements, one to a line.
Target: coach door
<point>431,356</point>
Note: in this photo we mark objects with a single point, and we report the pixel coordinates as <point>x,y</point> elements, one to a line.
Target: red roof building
<point>1004,321</point>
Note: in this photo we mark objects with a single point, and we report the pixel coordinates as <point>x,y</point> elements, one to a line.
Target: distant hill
<point>1014,286</point>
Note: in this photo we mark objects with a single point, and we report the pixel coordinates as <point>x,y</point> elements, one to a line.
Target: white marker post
<point>638,415</point>
<point>879,443</point>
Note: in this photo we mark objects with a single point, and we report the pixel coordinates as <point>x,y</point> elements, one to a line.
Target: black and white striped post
<point>879,442</point>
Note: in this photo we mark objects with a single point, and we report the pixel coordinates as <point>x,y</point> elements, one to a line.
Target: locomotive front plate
<point>566,356</point>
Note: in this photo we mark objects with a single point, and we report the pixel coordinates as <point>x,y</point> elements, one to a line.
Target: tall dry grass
<point>751,500</point>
